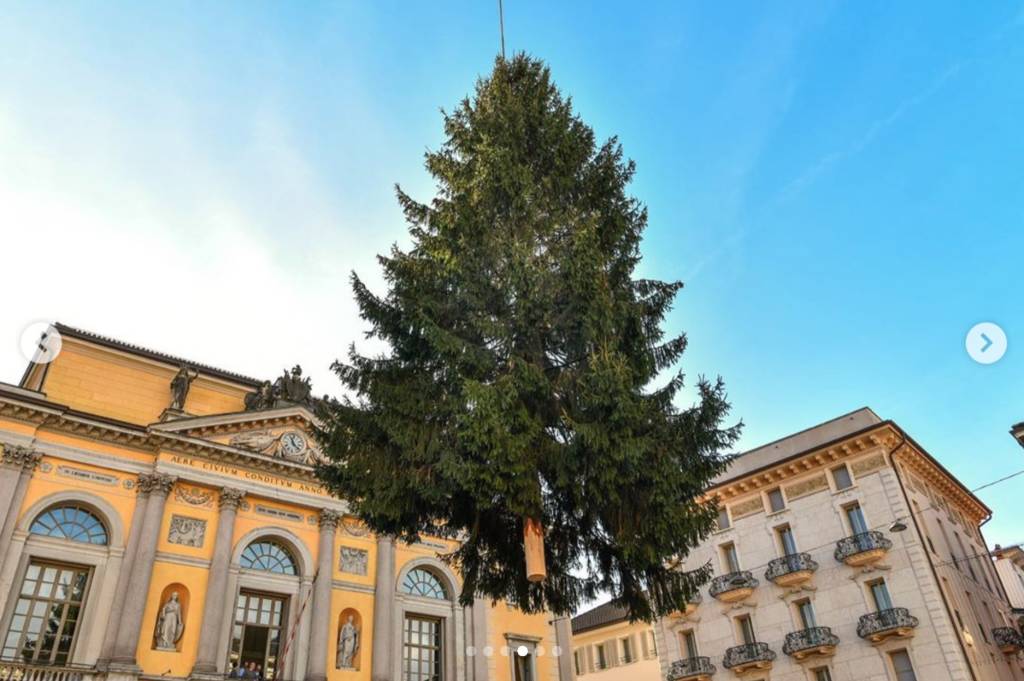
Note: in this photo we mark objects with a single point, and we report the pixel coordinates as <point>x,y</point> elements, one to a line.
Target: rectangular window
<point>421,649</point>
<point>841,476</point>
<point>786,540</point>
<point>855,516</point>
<point>627,650</point>
<point>576,663</point>
<point>690,644</point>
<point>730,559</point>
<point>746,629</point>
<point>46,615</point>
<point>653,644</point>
<point>880,595</point>
<point>522,665</point>
<point>964,555</point>
<point>602,657</point>
<point>723,518</point>
<point>776,500</point>
<point>822,674</point>
<point>901,665</point>
<point>806,611</point>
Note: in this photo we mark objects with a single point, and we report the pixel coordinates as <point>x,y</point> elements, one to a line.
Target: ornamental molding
<point>193,496</point>
<point>187,531</point>
<point>329,519</point>
<point>928,473</point>
<point>230,498</point>
<point>17,456</point>
<point>156,437</point>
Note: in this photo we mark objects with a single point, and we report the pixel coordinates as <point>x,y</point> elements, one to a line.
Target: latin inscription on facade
<point>353,561</point>
<point>278,513</point>
<point>187,531</point>
<point>247,474</point>
<point>88,476</point>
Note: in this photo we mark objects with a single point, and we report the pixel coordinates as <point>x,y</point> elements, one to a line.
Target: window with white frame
<point>841,477</point>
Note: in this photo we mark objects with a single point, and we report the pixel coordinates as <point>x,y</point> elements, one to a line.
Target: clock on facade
<point>292,443</point>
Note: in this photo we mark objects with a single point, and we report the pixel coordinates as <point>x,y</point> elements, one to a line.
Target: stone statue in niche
<point>187,531</point>
<point>169,624</point>
<point>353,561</point>
<point>348,644</point>
<point>180,385</point>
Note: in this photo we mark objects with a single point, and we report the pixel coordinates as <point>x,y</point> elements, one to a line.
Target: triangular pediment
<point>283,432</point>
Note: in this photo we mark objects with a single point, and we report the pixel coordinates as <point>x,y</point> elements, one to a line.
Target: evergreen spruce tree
<point>520,379</point>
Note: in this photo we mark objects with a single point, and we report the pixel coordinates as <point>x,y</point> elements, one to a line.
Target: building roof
<point>1018,432</point>
<point>797,443</point>
<point>89,336</point>
<point>598,617</point>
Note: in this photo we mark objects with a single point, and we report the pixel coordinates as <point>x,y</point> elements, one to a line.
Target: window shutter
<point>589,659</point>
<point>611,647</point>
<point>644,646</point>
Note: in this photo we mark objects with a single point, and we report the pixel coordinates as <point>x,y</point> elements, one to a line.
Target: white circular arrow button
<point>986,343</point>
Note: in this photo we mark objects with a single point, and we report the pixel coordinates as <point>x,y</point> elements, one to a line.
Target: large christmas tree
<point>520,379</point>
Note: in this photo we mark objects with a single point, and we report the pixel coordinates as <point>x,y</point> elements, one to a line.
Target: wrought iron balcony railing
<point>24,671</point>
<point>792,564</point>
<point>872,541</point>
<point>1008,639</point>
<point>690,668</point>
<point>876,625</point>
<point>733,581</point>
<point>748,655</point>
<point>809,641</point>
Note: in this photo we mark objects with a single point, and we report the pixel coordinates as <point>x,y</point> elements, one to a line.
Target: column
<point>480,637</point>
<point>563,639</point>
<point>127,641</point>
<point>142,489</point>
<point>216,585</point>
<point>317,664</point>
<point>16,470</point>
<point>383,611</point>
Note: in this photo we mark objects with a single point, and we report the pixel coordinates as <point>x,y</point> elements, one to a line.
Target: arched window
<point>68,521</point>
<point>420,582</point>
<point>268,556</point>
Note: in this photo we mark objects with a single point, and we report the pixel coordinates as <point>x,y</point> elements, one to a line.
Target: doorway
<point>258,632</point>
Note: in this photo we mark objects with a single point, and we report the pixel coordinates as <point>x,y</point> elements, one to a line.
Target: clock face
<point>292,443</point>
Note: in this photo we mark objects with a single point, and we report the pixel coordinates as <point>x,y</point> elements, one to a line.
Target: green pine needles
<point>518,377</point>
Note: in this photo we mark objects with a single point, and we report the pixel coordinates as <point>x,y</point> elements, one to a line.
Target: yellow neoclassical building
<point>161,520</point>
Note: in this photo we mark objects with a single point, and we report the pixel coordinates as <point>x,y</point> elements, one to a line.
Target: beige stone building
<point>844,552</point>
<point>608,647</point>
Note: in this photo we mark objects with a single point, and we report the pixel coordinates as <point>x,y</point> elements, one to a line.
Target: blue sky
<point>839,185</point>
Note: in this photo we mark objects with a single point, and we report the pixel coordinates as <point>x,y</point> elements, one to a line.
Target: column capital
<point>329,519</point>
<point>156,483</point>
<point>17,456</point>
<point>230,498</point>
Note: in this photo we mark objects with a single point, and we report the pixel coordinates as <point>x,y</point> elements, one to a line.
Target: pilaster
<point>127,641</point>
<point>216,587</point>
<point>317,663</point>
<point>383,611</point>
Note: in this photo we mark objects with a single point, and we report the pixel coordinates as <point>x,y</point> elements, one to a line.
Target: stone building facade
<point>1010,566</point>
<point>161,520</point>
<point>844,552</point>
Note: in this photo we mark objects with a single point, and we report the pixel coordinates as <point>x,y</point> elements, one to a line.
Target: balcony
<point>892,623</point>
<point>20,671</point>
<point>1008,640</point>
<point>862,549</point>
<point>733,587</point>
<point>792,570</point>
<point>749,657</point>
<point>692,669</point>
<point>813,642</point>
